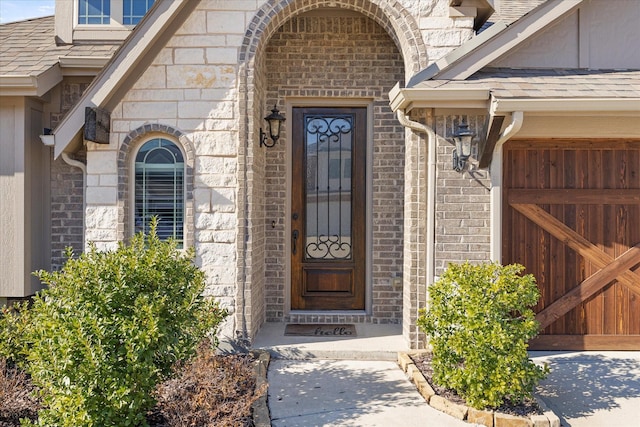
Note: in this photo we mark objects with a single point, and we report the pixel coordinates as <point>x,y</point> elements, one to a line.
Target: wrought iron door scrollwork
<point>329,193</point>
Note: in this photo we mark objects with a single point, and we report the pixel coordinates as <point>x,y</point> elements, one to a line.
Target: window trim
<point>114,30</point>
<point>132,16</point>
<point>102,15</point>
<point>184,242</point>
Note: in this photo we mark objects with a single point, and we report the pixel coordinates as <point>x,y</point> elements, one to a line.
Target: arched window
<point>159,188</point>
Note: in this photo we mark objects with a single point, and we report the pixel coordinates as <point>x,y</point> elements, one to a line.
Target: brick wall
<point>463,210</point>
<point>340,58</point>
<point>66,184</point>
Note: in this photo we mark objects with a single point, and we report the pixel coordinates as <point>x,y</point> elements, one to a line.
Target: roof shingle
<point>28,48</point>
<point>548,83</point>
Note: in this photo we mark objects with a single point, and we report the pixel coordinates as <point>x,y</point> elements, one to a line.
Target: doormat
<point>320,330</point>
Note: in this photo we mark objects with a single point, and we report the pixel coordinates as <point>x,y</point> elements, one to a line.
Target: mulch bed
<point>423,363</point>
<point>16,396</point>
<point>212,390</point>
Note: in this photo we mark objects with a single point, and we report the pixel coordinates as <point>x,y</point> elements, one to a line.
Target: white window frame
<point>126,15</point>
<point>86,16</point>
<point>114,30</point>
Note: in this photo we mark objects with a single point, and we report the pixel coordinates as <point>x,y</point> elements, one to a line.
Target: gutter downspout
<point>78,164</point>
<point>517,117</point>
<point>431,189</point>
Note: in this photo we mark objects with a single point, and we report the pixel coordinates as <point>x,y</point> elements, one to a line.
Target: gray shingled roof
<point>509,11</point>
<point>548,83</point>
<point>28,48</point>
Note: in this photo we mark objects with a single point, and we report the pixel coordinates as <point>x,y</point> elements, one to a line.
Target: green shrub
<point>109,328</point>
<point>479,321</point>
<point>13,327</point>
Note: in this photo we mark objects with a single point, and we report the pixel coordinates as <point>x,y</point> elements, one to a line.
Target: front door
<point>328,217</point>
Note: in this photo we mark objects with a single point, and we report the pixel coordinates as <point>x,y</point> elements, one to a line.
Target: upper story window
<point>94,11</point>
<point>159,188</point>
<point>134,10</point>
<point>112,12</point>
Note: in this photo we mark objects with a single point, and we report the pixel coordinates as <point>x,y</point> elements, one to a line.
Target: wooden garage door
<point>572,218</point>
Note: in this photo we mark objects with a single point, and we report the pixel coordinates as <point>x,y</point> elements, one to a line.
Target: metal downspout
<point>78,164</point>
<point>517,118</point>
<point>431,189</point>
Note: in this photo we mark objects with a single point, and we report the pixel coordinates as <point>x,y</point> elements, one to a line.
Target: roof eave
<point>515,34</point>
<point>565,106</point>
<point>30,85</point>
<point>83,65</point>
<point>111,80</point>
<point>482,9</point>
<point>455,55</point>
<point>493,43</point>
<point>407,99</point>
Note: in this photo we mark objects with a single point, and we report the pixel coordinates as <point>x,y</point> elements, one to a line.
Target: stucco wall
<point>585,39</point>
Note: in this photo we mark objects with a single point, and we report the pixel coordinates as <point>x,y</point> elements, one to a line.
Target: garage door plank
<point>576,242</point>
<point>589,287</point>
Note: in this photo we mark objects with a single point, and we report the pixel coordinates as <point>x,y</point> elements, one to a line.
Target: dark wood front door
<point>572,217</point>
<point>328,218</point>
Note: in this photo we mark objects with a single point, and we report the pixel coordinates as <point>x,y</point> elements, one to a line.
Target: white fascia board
<point>560,106</point>
<point>83,65</point>
<point>49,79</point>
<point>410,98</point>
<point>97,62</point>
<point>508,39</point>
<point>469,46</point>
<point>116,71</point>
<point>29,85</point>
<point>18,85</point>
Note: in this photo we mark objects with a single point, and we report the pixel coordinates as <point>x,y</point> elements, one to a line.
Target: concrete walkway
<point>356,382</point>
<point>305,393</point>
<point>592,389</point>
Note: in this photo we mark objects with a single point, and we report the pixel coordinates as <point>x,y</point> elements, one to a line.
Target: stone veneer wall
<point>67,193</point>
<point>188,93</point>
<point>340,57</point>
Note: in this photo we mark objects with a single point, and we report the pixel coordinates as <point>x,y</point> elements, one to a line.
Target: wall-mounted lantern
<point>461,153</point>
<point>274,120</point>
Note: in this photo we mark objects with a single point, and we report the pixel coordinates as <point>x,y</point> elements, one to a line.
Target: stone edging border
<point>260,409</point>
<point>471,415</point>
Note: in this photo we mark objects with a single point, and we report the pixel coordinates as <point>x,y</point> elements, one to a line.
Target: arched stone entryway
<point>391,34</point>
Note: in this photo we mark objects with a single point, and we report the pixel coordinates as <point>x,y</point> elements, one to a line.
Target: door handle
<point>294,237</point>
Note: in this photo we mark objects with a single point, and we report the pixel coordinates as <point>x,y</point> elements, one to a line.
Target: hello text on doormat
<point>326,330</point>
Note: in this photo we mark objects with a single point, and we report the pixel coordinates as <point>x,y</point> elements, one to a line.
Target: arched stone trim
<point>392,16</point>
<point>401,27</point>
<point>144,132</point>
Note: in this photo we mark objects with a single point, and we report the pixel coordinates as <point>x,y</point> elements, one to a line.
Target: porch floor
<point>373,342</point>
